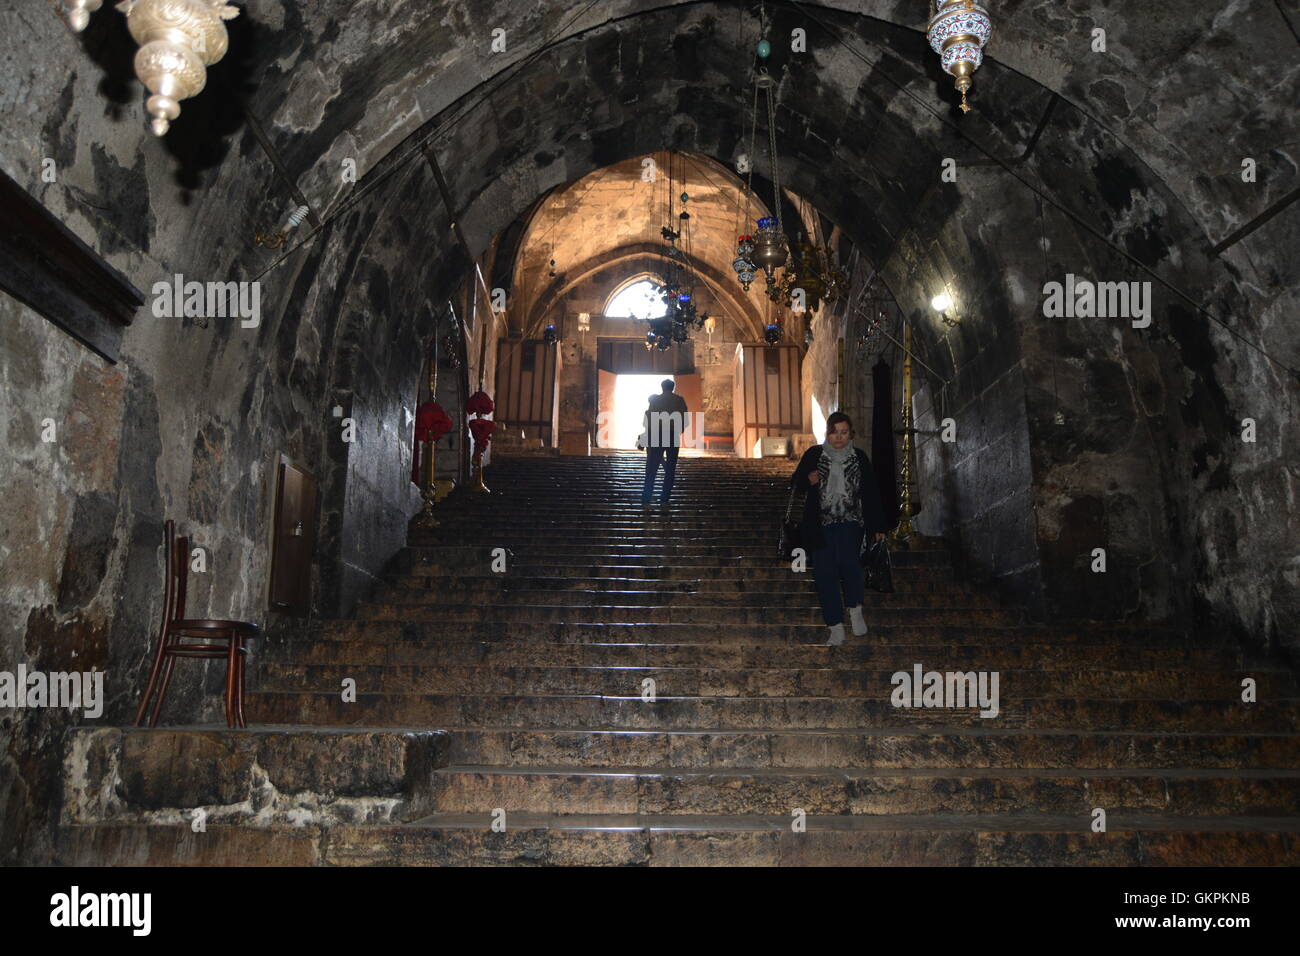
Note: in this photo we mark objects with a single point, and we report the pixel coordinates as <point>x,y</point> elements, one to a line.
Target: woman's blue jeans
<point>838,563</point>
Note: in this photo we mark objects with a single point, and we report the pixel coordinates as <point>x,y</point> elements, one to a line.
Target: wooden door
<point>295,539</point>
<point>689,387</point>
<point>766,397</point>
<point>605,408</point>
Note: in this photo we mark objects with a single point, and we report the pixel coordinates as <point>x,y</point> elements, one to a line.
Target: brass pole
<point>905,530</point>
<point>839,383</point>
<point>428,481</point>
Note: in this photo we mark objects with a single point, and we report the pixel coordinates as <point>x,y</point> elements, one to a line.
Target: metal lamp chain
<point>776,168</point>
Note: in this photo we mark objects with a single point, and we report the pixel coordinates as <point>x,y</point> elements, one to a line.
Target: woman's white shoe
<point>859,622</point>
<point>837,635</point>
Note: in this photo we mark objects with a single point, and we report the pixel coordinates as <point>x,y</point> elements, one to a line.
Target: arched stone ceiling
<point>614,214</point>
<point>357,78</point>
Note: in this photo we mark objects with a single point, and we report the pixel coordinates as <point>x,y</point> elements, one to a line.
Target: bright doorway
<point>631,399</point>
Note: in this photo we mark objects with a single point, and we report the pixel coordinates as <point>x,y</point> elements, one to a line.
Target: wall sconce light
<point>584,321</point>
<point>943,304</point>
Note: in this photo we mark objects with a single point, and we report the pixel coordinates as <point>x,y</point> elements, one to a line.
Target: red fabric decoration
<point>479,404</point>
<point>431,422</point>
<point>482,429</point>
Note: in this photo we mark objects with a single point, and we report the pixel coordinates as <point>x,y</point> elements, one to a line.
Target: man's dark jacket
<point>668,432</point>
<point>810,531</point>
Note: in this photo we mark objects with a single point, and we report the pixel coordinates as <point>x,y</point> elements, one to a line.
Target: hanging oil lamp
<point>958,33</point>
<point>743,264</point>
<point>770,252</point>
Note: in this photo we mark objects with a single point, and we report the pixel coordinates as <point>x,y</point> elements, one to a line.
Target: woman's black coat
<point>810,530</point>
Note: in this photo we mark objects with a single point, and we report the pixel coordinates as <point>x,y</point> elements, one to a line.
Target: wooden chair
<point>176,638</point>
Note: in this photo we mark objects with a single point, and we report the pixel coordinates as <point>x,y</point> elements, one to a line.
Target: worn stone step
<point>1015,839</point>
<point>575,550</point>
<point>739,618</point>
<point>1178,792</point>
<point>446,678</point>
<point>655,579</point>
<point>391,648</point>
<point>254,776</point>
<point>566,712</point>
<point>792,636</point>
<point>511,593</point>
<point>963,750</point>
<point>732,574</point>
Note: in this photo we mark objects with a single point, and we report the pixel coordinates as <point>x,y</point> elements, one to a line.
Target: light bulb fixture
<point>943,304</point>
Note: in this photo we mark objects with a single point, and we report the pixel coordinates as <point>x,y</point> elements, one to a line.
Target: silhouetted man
<point>665,420</point>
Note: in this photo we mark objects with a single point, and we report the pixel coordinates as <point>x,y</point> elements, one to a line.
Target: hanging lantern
<point>179,40</point>
<point>770,252</point>
<point>958,33</point>
<point>79,12</point>
<point>743,264</point>
<point>549,335</point>
<point>772,334</point>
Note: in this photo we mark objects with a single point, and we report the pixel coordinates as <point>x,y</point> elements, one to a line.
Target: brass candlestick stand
<point>904,529</point>
<point>428,484</point>
<point>478,485</point>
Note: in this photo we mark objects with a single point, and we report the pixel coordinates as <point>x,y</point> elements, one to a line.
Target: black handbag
<point>789,532</point>
<point>880,570</point>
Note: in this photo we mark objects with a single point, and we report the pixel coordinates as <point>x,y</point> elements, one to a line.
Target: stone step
<point>653,524</point>
<point>509,592</point>
<point>633,520</point>
<point>782,582</point>
<point>891,749</point>
<point>1175,792</point>
<point>478,565</point>
<point>741,620</point>
<point>446,678</point>
<point>576,550</point>
<point>566,712</point>
<point>1013,839</point>
<point>782,637</point>
<point>393,649</point>
<point>255,777</point>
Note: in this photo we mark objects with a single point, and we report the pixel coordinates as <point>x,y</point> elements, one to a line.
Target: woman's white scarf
<point>836,484</point>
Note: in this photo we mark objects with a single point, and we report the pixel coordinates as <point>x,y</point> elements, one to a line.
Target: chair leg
<point>239,689</point>
<point>162,690</point>
<point>232,675</point>
<point>153,681</point>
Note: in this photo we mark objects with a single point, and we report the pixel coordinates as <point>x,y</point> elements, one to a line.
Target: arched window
<point>641,299</point>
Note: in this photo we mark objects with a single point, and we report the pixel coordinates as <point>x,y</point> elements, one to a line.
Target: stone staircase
<point>516,696</point>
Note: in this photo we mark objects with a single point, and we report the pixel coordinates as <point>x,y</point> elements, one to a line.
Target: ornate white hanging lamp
<point>79,12</point>
<point>958,32</point>
<point>179,40</point>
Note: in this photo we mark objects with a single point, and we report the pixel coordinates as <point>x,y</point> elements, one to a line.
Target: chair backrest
<point>176,574</point>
